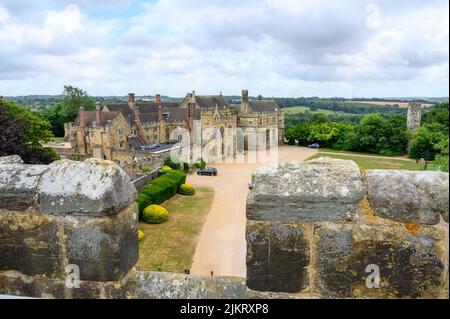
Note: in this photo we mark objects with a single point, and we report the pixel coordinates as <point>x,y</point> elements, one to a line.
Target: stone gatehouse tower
<point>414,116</point>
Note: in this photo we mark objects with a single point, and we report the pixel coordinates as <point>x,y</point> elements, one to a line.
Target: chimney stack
<point>97,113</point>
<point>245,107</point>
<point>131,98</point>
<point>158,98</point>
<point>160,114</point>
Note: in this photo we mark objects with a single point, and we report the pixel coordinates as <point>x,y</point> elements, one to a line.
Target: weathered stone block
<point>31,244</point>
<point>277,257</point>
<point>411,264</point>
<point>18,284</point>
<point>318,190</point>
<point>407,196</point>
<point>159,285</point>
<point>104,249</point>
<point>18,184</point>
<point>92,187</point>
<point>12,159</point>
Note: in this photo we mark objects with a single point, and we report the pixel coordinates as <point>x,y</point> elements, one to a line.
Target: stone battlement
<point>81,216</point>
<point>319,229</point>
<point>315,230</point>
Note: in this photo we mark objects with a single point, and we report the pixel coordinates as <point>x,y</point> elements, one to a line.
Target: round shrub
<point>187,189</point>
<point>141,235</point>
<point>155,214</point>
<point>166,169</point>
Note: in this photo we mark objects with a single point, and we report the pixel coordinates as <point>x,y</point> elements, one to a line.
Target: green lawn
<point>374,162</point>
<point>329,150</point>
<point>303,109</point>
<point>171,246</point>
<point>57,139</point>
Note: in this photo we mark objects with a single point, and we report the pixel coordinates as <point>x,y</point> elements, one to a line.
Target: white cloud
<point>272,47</point>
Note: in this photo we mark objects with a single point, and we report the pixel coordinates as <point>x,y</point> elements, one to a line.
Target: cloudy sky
<point>324,48</point>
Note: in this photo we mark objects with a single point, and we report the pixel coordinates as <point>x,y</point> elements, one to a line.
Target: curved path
<point>222,244</point>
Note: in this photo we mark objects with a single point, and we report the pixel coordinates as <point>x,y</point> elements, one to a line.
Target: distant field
<point>303,109</point>
<point>403,105</point>
<point>374,162</point>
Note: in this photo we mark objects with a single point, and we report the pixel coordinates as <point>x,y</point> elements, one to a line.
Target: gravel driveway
<point>222,245</point>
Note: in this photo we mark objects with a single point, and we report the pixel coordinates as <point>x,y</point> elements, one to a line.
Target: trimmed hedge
<point>155,214</point>
<point>160,189</point>
<point>187,189</point>
<point>141,235</point>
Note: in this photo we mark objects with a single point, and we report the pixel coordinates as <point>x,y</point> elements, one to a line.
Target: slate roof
<point>91,117</point>
<point>263,106</point>
<point>205,101</point>
<point>149,111</point>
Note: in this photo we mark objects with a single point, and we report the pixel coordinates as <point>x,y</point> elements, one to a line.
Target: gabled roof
<point>205,101</point>
<point>176,114</point>
<point>91,117</point>
<point>149,111</point>
<point>147,107</point>
<point>122,108</point>
<point>263,106</point>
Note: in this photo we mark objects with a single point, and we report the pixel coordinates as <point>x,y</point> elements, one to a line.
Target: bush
<point>171,164</point>
<point>160,189</point>
<point>201,164</point>
<point>187,189</point>
<point>141,235</point>
<point>166,169</point>
<point>155,214</point>
<point>186,167</point>
<point>143,201</point>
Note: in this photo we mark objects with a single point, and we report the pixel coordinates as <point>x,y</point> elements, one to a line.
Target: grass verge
<point>374,162</point>
<point>171,246</point>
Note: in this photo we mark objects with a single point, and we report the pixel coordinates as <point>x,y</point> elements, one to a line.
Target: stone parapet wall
<point>324,228</point>
<point>81,216</point>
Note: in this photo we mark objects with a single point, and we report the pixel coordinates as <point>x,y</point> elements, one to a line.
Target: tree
<point>74,98</point>
<point>23,133</point>
<point>67,110</point>
<point>54,115</point>
<point>290,136</point>
<point>431,139</point>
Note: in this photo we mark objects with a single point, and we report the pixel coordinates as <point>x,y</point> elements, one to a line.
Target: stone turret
<point>414,116</point>
<point>245,103</point>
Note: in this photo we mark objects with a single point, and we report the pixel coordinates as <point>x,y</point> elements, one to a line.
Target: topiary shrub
<point>160,189</point>
<point>187,189</point>
<point>141,235</point>
<point>166,169</point>
<point>155,214</point>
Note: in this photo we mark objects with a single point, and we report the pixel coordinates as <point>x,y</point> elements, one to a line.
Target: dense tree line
<point>373,134</point>
<point>23,133</point>
<point>432,138</point>
<point>384,134</point>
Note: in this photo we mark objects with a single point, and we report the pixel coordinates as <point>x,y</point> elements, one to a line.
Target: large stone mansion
<point>120,132</point>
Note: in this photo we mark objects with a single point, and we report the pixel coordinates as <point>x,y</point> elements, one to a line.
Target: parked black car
<point>315,145</point>
<point>211,171</point>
